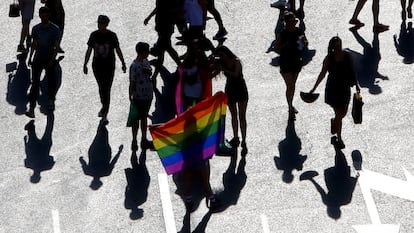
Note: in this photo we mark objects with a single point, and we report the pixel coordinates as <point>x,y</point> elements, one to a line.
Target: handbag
<point>14,10</point>
<point>357,104</point>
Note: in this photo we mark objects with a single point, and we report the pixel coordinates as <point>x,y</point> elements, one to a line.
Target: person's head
<point>44,14</point>
<point>290,20</point>
<point>103,22</point>
<point>142,49</point>
<point>335,45</point>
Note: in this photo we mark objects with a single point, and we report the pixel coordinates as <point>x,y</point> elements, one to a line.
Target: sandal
<point>356,22</point>
<point>380,28</point>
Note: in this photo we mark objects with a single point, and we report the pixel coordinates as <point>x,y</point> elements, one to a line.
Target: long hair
<point>332,42</point>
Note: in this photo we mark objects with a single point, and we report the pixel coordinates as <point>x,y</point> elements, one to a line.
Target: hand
<point>85,69</point>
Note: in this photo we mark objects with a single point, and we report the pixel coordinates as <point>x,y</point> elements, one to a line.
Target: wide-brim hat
<point>309,97</point>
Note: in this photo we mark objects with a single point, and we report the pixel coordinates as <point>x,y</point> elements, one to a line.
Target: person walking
<point>103,43</point>
<point>222,32</point>
<point>57,16</point>
<point>45,41</point>
<point>140,93</point>
<point>378,27</point>
<point>236,91</point>
<point>341,78</point>
<point>290,42</point>
<point>27,12</point>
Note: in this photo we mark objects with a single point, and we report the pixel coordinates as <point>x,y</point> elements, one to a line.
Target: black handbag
<point>14,10</point>
<point>357,104</point>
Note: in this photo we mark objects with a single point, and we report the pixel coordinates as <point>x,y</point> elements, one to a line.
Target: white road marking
<point>166,204</point>
<point>265,223</point>
<point>56,224</point>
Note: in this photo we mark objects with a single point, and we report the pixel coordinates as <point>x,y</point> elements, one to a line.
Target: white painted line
<point>55,217</point>
<point>265,223</point>
<point>166,204</point>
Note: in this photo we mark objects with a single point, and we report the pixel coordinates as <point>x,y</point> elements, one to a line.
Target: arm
<point>150,16</point>
<point>87,56</point>
<point>234,73</point>
<point>321,75</point>
<point>32,49</point>
<point>121,57</point>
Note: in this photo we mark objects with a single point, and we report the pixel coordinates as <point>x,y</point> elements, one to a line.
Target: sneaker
<point>220,34</point>
<point>21,48</point>
<point>213,204</point>
<point>380,28</point>
<point>225,149</point>
<point>281,4</point>
<point>30,113</point>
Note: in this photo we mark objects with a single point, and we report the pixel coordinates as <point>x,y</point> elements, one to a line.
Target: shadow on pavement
<point>18,84</point>
<point>165,100</point>
<point>99,154</point>
<point>366,64</point>
<point>138,180</point>
<point>339,182</point>
<point>289,154</point>
<point>37,150</point>
<point>43,97</point>
<point>405,42</point>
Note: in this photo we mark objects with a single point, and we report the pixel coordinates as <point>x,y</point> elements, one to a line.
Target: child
<point>140,93</point>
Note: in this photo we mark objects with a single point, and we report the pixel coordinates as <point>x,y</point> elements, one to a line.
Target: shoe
<point>308,175</point>
<point>281,4</point>
<point>220,34</point>
<point>214,204</point>
<point>300,14</point>
<point>356,22</point>
<point>100,113</point>
<point>244,150</point>
<point>30,113</point>
<point>409,12</point>
<point>105,121</point>
<point>293,110</point>
<point>21,48</point>
<point>234,142</point>
<point>145,144</point>
<point>225,149</point>
<point>134,145</point>
<point>380,28</point>
<point>60,50</point>
<point>340,144</point>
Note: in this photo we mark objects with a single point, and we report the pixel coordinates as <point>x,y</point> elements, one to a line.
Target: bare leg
<point>357,10</point>
<point>339,115</point>
<point>242,117</point>
<point>234,121</point>
<point>290,81</point>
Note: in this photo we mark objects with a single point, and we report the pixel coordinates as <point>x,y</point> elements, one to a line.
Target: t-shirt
<point>103,44</point>
<point>140,73</point>
<point>193,13</point>
<point>46,37</point>
<point>193,87</point>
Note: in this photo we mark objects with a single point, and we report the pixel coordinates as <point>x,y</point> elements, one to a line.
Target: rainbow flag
<point>193,136</point>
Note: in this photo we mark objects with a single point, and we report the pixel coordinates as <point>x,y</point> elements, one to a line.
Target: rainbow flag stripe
<point>193,136</point>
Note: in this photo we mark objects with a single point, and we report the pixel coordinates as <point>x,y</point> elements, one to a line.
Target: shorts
<point>27,9</point>
<point>143,107</point>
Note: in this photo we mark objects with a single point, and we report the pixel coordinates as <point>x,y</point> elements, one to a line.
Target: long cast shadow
<point>138,180</point>
<point>18,84</point>
<point>289,154</point>
<point>165,100</point>
<point>366,64</point>
<point>99,154</point>
<point>339,182</point>
<point>37,150</point>
<point>405,42</point>
<point>43,97</point>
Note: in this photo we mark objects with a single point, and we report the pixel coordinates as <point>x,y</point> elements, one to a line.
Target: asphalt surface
<point>263,192</point>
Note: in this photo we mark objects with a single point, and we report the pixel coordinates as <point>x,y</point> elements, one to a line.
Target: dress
<point>290,53</point>
<point>340,80</point>
<point>236,88</point>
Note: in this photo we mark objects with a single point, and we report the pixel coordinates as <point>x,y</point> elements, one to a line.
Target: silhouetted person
<point>222,32</point>
<point>37,150</point>
<point>27,12</point>
<point>57,16</point>
<point>339,182</point>
<point>99,154</point>
<point>104,43</point>
<point>290,42</point>
<point>378,27</point>
<point>341,78</point>
<point>45,41</point>
<point>18,85</point>
<point>405,42</point>
<point>289,154</point>
<point>165,12</point>
<point>138,180</point>
<point>237,94</point>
